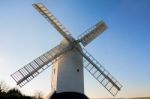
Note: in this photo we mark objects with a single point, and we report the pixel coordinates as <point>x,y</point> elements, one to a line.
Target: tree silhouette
<point>38,95</point>
<point>14,93</point>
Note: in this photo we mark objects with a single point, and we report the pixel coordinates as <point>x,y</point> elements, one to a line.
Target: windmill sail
<point>32,69</point>
<point>100,73</point>
<point>52,19</point>
<point>92,33</point>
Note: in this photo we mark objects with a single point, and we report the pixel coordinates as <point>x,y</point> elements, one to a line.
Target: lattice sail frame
<point>99,72</point>
<point>53,20</point>
<point>34,68</point>
<point>89,35</point>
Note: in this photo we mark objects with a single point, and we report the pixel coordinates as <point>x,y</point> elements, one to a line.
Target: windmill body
<point>67,72</point>
<point>68,60</point>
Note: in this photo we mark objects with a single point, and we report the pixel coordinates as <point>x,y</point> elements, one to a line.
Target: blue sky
<point>123,49</point>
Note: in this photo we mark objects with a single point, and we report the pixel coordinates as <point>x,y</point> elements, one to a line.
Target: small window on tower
<point>77,70</point>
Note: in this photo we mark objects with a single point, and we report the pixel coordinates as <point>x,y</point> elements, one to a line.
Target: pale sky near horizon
<point>123,49</point>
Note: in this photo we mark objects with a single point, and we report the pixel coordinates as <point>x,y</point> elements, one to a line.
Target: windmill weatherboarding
<point>67,60</point>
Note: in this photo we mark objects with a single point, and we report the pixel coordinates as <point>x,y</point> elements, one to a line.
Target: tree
<point>14,92</point>
<point>3,87</point>
<point>38,95</point>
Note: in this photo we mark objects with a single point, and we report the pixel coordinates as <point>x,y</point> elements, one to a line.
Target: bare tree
<point>3,87</point>
<point>38,95</point>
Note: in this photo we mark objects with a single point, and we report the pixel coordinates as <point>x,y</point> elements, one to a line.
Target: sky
<point>123,49</point>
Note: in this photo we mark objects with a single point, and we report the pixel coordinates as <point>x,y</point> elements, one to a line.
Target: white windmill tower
<point>67,60</point>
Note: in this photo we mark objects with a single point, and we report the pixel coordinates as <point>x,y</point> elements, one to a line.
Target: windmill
<point>67,60</point>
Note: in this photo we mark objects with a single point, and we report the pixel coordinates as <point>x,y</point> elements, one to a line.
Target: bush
<point>14,92</point>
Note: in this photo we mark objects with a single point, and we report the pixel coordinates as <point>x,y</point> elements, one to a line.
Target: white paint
<point>67,72</point>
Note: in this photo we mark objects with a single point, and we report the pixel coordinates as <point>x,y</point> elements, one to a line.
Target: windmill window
<point>77,70</point>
